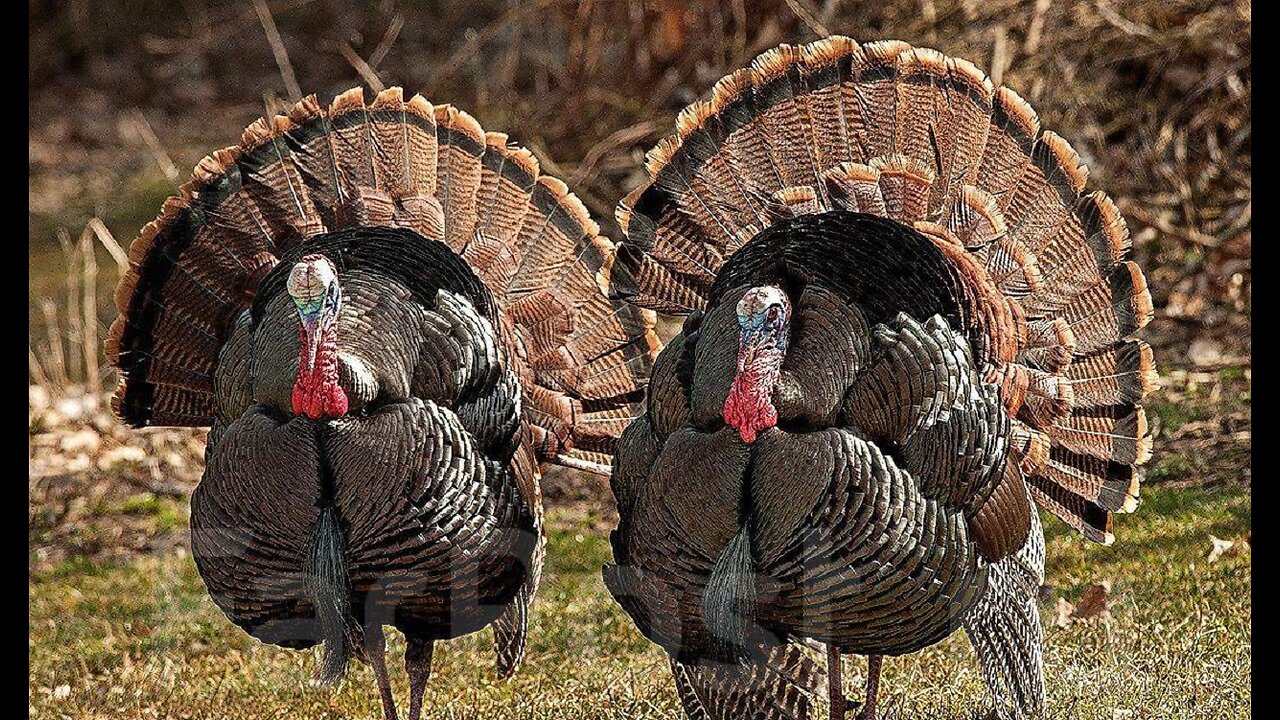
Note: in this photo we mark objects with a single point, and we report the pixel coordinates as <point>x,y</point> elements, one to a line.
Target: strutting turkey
<point>389,319</point>
<point>906,322</point>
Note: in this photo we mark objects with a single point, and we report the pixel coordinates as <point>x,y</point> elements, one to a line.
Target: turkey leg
<point>417,664</point>
<point>835,685</point>
<point>868,711</point>
<point>375,648</point>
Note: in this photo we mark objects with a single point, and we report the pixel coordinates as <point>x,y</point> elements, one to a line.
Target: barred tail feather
<point>781,686</point>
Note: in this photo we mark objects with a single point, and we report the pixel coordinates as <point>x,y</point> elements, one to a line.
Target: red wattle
<point>316,391</point>
<point>748,407</point>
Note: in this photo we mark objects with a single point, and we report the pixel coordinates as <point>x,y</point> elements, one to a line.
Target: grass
<point>141,639</point>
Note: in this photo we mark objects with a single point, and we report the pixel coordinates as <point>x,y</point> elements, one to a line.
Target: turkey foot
<point>417,664</point>
<point>835,685</point>
<point>868,711</point>
<point>375,649</point>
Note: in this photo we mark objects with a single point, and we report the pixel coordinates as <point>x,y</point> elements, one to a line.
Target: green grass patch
<point>143,640</point>
<point>1174,415</point>
<point>167,513</point>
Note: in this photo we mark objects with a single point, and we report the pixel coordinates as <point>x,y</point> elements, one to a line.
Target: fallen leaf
<point>78,464</point>
<point>1205,351</point>
<point>1093,604</point>
<point>1062,612</point>
<point>37,398</point>
<point>122,454</point>
<point>1220,548</point>
<point>1229,548</point>
<point>80,441</point>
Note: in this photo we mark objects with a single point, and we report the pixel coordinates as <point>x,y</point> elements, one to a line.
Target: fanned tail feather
<point>583,359</point>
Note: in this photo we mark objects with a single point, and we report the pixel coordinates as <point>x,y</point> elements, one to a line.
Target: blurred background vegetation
<point>125,97</point>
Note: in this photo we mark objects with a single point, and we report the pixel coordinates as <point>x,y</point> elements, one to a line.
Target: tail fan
<point>582,358</point>
<point>926,140</point>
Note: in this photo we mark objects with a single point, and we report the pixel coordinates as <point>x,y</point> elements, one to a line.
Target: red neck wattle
<point>749,406</point>
<point>316,392</point>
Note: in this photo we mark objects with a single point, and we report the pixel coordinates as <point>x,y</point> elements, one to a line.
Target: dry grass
<point>141,639</point>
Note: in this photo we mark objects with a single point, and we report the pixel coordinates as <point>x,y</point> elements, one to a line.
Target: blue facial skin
<point>766,328</point>
<point>311,310</point>
<point>315,314</point>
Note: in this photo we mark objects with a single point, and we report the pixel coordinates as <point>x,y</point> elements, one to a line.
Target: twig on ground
<point>473,44</point>
<point>388,39</point>
<point>89,313</point>
<point>999,54</point>
<point>278,50</point>
<point>222,29</point>
<point>739,30</point>
<point>38,375</point>
<point>929,13</point>
<point>148,135</point>
<point>53,334</point>
<point>479,73</point>
<point>1036,28</point>
<point>366,73</point>
<point>75,323</point>
<point>807,18</point>
<point>1111,15</point>
<point>108,241</point>
<point>586,170</point>
<point>1190,234</point>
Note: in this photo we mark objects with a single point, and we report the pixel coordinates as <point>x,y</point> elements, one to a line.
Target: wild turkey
<point>906,321</point>
<point>390,319</point>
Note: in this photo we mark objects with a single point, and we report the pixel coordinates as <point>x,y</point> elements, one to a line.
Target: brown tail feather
<point>1007,152</point>
<point>349,133</point>
<point>389,138</point>
<point>822,65</point>
<point>875,94</point>
<point>926,140</point>
<point>784,115</point>
<point>904,184</point>
<point>1119,375</point>
<point>461,142</point>
<point>391,162</point>
<point>856,187</point>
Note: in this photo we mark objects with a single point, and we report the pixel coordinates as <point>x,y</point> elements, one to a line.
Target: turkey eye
<point>773,312</point>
